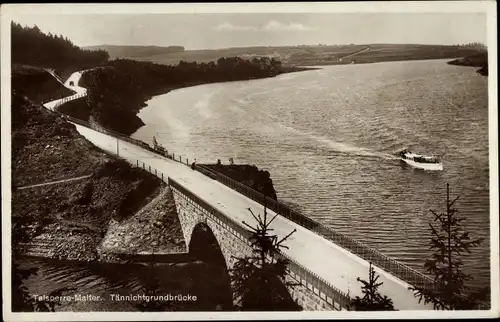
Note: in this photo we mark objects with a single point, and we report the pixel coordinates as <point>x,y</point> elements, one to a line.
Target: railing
<point>319,286</point>
<point>69,98</point>
<point>310,280</point>
<point>392,266</point>
<point>408,274</point>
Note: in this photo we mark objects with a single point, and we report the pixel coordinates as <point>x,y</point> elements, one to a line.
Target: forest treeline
<point>157,78</point>
<point>30,46</point>
<point>476,60</point>
<point>121,86</point>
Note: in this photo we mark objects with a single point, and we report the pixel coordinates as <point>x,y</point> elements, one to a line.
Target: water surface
<point>328,138</point>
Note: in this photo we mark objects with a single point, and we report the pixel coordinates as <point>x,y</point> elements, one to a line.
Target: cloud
<point>272,25</point>
<point>230,27</point>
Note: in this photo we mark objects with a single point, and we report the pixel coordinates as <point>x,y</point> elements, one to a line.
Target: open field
<point>298,55</point>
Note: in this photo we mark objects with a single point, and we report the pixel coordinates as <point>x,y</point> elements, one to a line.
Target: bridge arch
<point>198,217</point>
<point>204,247</point>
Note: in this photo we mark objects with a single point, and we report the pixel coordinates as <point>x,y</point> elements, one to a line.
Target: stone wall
<point>191,214</point>
<point>233,244</point>
<point>309,300</point>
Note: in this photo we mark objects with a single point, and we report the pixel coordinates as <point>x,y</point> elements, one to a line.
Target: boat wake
<point>340,147</point>
<point>353,150</point>
<point>335,146</point>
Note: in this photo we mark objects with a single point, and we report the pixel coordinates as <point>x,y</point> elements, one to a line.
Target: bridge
<point>212,207</point>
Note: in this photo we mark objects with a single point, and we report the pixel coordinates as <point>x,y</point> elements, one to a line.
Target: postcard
<point>249,161</point>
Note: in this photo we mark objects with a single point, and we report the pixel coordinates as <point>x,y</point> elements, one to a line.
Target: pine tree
<point>372,299</point>
<point>259,280</point>
<point>449,241</point>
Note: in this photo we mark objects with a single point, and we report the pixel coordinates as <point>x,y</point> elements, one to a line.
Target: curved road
<point>72,84</point>
<point>326,259</point>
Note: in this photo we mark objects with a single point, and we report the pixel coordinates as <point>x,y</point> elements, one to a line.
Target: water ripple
<point>328,140</point>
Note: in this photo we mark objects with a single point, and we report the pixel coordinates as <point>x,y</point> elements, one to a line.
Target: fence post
<point>180,158</point>
<point>137,163</point>
<point>162,176</point>
<point>143,166</point>
<point>173,156</point>
<point>149,168</point>
<point>155,172</point>
<point>187,161</point>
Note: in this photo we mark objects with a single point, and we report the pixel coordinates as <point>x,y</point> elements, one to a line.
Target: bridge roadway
<point>326,259</point>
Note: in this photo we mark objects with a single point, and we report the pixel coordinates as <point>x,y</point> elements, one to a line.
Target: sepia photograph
<point>265,160</point>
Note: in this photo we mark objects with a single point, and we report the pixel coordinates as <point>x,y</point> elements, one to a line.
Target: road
<point>321,256</point>
<point>72,84</point>
<point>324,258</point>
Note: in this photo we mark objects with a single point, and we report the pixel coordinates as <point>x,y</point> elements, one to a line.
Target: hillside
<point>312,55</point>
<point>66,220</point>
<point>114,98</point>
<point>37,84</point>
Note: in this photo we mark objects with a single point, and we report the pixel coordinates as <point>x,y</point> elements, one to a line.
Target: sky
<point>215,30</point>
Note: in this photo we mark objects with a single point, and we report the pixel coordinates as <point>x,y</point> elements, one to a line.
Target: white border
<point>10,11</point>
<point>249,7</point>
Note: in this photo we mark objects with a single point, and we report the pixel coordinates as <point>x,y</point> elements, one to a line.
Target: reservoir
<point>328,138</point>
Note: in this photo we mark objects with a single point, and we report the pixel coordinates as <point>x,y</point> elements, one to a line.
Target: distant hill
<point>294,55</point>
<point>135,51</point>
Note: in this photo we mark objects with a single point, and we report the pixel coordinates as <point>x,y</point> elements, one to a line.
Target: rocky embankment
<point>66,220</point>
<point>250,175</point>
<point>155,229</point>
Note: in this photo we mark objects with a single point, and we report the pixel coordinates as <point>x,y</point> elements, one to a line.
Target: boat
<point>420,161</point>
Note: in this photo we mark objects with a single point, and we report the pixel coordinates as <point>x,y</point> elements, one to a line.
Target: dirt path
<point>356,53</point>
<point>54,182</point>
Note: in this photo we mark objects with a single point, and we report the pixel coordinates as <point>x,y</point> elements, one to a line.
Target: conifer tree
<point>372,299</point>
<point>449,241</point>
<point>259,280</point>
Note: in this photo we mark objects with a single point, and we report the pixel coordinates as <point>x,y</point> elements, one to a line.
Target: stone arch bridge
<point>206,230</point>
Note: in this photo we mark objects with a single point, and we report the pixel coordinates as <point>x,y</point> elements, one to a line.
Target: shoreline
<point>304,68</point>
<point>383,62</point>
<point>175,88</point>
<point>138,92</point>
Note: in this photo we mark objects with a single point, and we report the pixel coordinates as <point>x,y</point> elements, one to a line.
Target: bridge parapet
<point>314,293</point>
<point>310,279</point>
<point>367,253</point>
